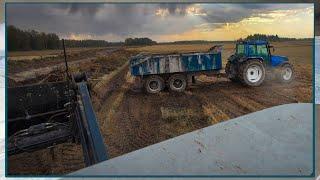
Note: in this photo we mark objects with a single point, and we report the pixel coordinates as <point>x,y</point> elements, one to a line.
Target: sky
<point>164,22</point>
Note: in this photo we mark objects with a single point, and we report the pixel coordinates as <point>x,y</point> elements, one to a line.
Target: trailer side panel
<point>162,64</point>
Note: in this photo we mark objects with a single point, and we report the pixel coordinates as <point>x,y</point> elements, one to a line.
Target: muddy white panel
<point>174,64</point>
<point>274,141</point>
<point>162,65</point>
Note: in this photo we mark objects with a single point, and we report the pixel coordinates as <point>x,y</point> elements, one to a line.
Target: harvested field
<point>97,63</point>
<point>37,54</point>
<point>23,61</point>
<point>130,119</point>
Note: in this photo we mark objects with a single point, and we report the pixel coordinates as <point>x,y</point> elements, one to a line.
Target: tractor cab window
<point>262,50</point>
<point>240,49</point>
<point>252,49</point>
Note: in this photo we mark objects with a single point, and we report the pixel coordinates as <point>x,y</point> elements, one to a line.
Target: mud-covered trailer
<point>143,65</point>
<point>157,70</point>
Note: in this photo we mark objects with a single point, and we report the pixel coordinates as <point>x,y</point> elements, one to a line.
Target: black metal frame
<point>41,116</point>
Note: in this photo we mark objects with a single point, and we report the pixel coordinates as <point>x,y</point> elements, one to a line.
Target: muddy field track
<point>131,119</point>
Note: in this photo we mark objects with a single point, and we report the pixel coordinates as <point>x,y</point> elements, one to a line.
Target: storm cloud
<point>129,20</point>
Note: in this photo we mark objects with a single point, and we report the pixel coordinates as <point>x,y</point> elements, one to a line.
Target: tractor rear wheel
<point>230,72</point>
<point>177,82</point>
<point>286,73</point>
<point>252,72</point>
<point>154,84</point>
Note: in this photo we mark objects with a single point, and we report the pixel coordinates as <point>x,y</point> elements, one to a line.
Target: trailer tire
<point>252,72</point>
<point>285,73</point>
<point>177,82</point>
<point>154,84</point>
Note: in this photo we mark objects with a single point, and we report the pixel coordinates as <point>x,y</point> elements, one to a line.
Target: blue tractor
<point>251,62</point>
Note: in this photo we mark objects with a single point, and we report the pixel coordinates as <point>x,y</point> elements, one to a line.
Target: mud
<point>61,159</point>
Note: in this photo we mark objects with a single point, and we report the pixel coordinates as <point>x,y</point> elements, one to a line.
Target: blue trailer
<point>248,65</point>
<point>143,65</point>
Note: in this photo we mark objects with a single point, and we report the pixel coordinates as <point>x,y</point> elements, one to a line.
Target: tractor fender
<point>233,58</point>
<point>243,59</point>
<point>282,64</point>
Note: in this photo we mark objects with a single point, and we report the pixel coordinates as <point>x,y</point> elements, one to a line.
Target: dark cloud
<point>219,14</point>
<point>88,9</point>
<point>125,20</point>
<point>98,19</point>
<point>237,12</point>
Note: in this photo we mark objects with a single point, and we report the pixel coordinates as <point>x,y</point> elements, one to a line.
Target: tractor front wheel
<point>252,72</point>
<point>285,74</point>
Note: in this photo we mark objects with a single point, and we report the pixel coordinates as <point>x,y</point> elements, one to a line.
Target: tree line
<point>24,40</point>
<point>265,37</point>
<point>139,41</point>
<point>30,40</point>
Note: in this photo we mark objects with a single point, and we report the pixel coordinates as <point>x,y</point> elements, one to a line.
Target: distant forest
<point>30,40</point>
<point>25,40</point>
<point>139,41</point>
<point>22,40</point>
<point>271,38</point>
<point>265,37</point>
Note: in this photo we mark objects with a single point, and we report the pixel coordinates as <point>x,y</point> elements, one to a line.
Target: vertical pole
<point>65,59</point>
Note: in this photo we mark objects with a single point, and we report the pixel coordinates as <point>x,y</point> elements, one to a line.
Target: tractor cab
<point>261,50</point>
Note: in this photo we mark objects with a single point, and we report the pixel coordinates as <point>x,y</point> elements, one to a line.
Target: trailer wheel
<point>286,73</point>
<point>154,84</point>
<point>177,82</point>
<point>252,72</point>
